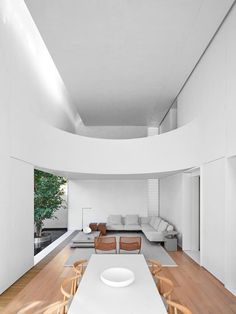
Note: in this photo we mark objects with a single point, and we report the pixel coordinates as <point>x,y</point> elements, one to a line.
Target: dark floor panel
<point>55,234</point>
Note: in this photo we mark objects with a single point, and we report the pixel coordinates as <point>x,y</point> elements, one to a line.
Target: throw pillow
<point>152,221</point>
<point>162,226</point>
<point>156,223</point>
<point>170,228</point>
<point>131,220</point>
<point>114,220</point>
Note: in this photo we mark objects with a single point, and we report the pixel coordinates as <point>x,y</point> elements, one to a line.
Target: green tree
<point>48,197</point>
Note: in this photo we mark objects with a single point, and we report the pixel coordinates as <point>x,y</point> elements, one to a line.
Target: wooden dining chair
<point>69,287</point>
<point>79,267</point>
<point>105,244</point>
<point>165,287</point>
<point>175,308</point>
<point>56,308</point>
<point>130,244</point>
<point>154,266</point>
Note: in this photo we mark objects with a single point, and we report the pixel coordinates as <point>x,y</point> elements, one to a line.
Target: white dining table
<point>95,297</point>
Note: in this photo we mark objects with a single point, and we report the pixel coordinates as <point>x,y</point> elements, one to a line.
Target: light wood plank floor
<point>194,286</point>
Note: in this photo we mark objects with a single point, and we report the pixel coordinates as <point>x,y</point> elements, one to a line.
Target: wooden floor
<point>194,286</point>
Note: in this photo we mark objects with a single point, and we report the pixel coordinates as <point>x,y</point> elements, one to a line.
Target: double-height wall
<point>209,99</point>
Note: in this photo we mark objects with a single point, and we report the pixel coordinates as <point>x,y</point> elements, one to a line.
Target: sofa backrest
<point>156,222</point>
<point>160,224</point>
<point>114,220</point>
<point>131,220</point>
<point>144,220</point>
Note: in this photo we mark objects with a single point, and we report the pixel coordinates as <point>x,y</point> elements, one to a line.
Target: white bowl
<point>87,230</point>
<point>117,277</point>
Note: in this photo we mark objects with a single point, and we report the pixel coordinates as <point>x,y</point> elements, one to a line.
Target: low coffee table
<point>84,240</point>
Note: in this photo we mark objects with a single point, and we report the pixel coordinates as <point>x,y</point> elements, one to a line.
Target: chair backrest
<point>56,308</point>
<point>79,266</point>
<point>105,244</point>
<point>155,266</point>
<point>165,287</point>
<point>130,243</point>
<point>175,308</point>
<point>69,287</point>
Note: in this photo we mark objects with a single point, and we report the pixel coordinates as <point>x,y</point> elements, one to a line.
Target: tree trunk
<point>39,231</point>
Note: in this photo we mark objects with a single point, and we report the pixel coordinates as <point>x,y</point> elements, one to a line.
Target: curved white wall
<point>26,69</point>
<point>31,90</point>
<point>62,151</point>
<point>39,108</point>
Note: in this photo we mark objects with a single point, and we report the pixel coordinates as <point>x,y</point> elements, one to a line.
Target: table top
<point>93,296</point>
<point>85,237</point>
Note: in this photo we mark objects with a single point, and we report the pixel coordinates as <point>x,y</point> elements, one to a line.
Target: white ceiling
<point>124,61</point>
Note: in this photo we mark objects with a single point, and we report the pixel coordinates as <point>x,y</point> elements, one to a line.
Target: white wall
<point>112,132</point>
<point>208,99</point>
<point>29,85</point>
<point>171,201</point>
<point>85,155</point>
<point>105,197</point>
<point>60,222</point>
<point>213,218</point>
<point>230,234</point>
<point>16,221</point>
<point>195,213</point>
<point>29,77</point>
<point>209,95</point>
<point>153,197</point>
<point>170,121</point>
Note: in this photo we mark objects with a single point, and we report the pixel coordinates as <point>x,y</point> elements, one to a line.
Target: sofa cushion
<point>154,235</point>
<point>169,228</point>
<point>155,221</point>
<point>162,226</point>
<point>131,220</point>
<point>132,227</point>
<point>152,220</point>
<point>114,220</point>
<point>147,227</point>
<point>115,227</point>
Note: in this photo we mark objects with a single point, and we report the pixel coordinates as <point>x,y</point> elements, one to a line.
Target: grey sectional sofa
<point>154,228</point>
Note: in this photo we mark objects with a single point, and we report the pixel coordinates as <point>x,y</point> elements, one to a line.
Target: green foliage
<point>48,197</point>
